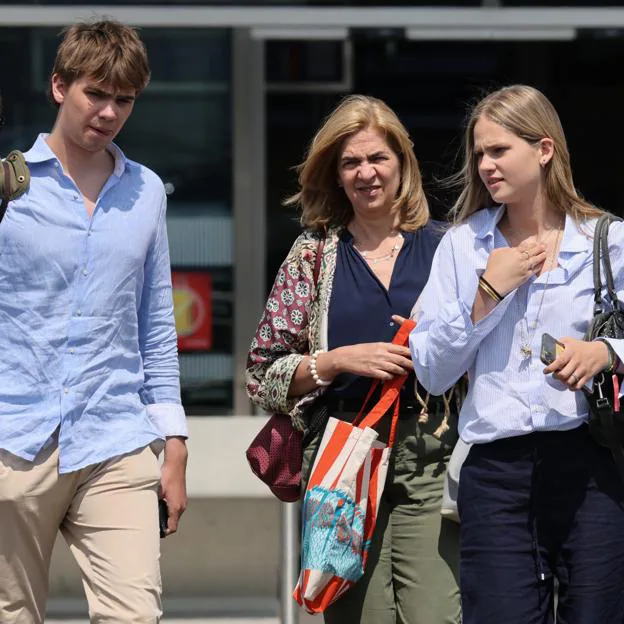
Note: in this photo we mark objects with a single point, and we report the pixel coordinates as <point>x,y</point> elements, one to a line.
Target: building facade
<point>239,87</point>
<point>237,90</point>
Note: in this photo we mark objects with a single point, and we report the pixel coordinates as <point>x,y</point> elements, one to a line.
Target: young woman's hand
<point>578,362</point>
<point>509,267</point>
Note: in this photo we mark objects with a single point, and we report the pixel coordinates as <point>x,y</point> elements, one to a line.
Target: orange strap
<point>390,391</point>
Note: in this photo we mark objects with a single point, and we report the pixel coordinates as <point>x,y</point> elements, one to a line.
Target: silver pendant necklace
<point>525,348</point>
<point>383,258</point>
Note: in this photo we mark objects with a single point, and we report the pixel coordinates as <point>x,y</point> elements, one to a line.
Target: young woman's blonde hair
<point>527,113</point>
<point>323,203</point>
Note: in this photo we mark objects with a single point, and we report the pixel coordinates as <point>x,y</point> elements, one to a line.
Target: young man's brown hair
<point>107,51</point>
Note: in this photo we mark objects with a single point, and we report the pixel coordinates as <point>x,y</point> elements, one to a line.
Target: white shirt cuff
<point>169,419</point>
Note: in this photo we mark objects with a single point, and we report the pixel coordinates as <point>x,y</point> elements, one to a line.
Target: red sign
<point>192,304</point>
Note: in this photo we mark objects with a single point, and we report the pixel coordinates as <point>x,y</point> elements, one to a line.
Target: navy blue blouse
<point>361,309</point>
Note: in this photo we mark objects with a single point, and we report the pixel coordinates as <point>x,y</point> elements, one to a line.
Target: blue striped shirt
<point>509,394</point>
<point>87,335</point>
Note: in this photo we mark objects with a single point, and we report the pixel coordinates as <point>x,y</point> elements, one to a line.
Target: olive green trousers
<point>412,573</point>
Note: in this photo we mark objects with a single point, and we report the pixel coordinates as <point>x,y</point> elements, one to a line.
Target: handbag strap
<point>317,261</point>
<point>596,266</point>
<point>5,189</point>
<point>390,391</point>
<point>601,258</point>
<point>606,259</point>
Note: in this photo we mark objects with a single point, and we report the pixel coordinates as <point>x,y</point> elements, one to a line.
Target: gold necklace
<point>525,347</point>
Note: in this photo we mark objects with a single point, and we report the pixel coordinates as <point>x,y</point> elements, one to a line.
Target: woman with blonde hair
<point>539,499</point>
<point>322,341</point>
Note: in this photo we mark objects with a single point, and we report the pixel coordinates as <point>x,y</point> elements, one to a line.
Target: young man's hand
<point>173,480</point>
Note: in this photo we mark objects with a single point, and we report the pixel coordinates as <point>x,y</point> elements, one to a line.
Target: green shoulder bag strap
<point>14,179</point>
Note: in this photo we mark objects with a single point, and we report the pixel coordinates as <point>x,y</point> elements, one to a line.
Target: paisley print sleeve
<point>281,339</point>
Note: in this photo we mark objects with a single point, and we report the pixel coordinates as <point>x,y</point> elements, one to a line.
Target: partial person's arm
<point>281,340</point>
<point>161,388</point>
<point>484,303</point>
<point>446,340</point>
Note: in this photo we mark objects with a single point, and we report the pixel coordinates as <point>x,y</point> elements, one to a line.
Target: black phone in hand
<point>551,348</point>
<point>163,516</point>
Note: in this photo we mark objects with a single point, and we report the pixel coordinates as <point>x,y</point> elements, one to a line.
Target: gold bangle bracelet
<point>497,295</point>
<point>488,290</point>
<point>489,293</point>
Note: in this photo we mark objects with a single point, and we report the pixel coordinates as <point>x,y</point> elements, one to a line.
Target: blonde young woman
<point>361,193</point>
<point>538,498</point>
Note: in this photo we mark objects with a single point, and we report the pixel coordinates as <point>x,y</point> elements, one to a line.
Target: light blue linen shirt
<point>509,394</point>
<point>87,336</point>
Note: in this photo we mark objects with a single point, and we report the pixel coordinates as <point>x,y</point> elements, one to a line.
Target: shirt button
<point>391,324</point>
<point>65,390</point>
<point>78,312</point>
<point>85,272</point>
<point>71,349</point>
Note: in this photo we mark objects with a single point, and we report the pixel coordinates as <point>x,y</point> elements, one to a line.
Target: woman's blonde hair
<point>527,113</point>
<point>323,203</point>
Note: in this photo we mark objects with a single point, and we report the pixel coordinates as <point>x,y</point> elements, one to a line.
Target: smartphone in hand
<point>163,516</point>
<point>551,348</point>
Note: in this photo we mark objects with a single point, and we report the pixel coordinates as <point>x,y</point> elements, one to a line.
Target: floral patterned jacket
<point>294,323</point>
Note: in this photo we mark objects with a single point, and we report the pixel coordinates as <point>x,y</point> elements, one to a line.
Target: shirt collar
<point>575,239</point>
<point>41,152</point>
<point>486,221</point>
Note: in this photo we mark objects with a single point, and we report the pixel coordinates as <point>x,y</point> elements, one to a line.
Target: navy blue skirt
<point>535,508</point>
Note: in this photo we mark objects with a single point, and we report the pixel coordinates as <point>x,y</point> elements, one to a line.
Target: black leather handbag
<point>606,424</point>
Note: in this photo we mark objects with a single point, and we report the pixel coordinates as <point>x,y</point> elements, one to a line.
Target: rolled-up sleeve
<point>158,339</point>
<point>445,341</point>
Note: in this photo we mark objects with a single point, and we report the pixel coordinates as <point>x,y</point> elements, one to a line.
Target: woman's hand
<point>509,267</point>
<point>379,360</point>
<point>579,362</point>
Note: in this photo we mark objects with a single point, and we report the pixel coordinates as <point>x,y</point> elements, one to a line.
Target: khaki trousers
<point>412,573</point>
<point>108,516</point>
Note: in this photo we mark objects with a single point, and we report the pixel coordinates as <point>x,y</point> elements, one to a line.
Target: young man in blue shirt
<point>89,380</point>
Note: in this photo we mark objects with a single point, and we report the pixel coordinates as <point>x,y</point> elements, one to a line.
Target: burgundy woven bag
<point>276,453</point>
<point>275,457</point>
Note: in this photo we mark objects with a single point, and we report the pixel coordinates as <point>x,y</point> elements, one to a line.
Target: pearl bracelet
<point>317,380</point>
